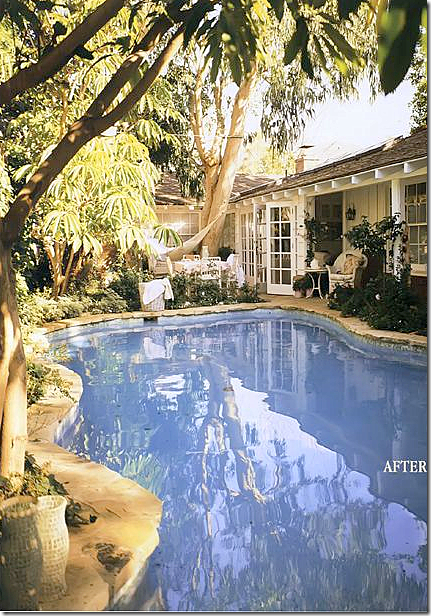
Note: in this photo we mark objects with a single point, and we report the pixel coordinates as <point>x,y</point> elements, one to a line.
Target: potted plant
<point>302,285</point>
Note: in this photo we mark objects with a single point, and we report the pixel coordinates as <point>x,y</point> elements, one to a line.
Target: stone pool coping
<point>128,515</point>
<point>413,342</point>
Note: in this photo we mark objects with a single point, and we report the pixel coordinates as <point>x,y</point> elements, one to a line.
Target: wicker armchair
<point>160,268</point>
<point>347,269</point>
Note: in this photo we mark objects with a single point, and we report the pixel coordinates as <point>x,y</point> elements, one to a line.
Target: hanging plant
<point>316,232</point>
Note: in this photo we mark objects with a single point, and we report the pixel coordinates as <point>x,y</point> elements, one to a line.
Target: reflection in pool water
<point>266,439</point>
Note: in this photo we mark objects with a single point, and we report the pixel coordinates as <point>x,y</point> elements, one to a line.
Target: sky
<point>340,128</point>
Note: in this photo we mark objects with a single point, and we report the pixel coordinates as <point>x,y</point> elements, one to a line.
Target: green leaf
<point>236,69</point>
<point>15,15</point>
<point>398,31</point>
<point>44,5</point>
<point>59,28</point>
<point>317,4</point>
<point>193,21</point>
<point>278,6</point>
<point>124,42</point>
<point>83,52</point>
<point>345,7</point>
<point>215,64</point>
<point>28,14</point>
<point>306,64</point>
<point>340,42</point>
<point>297,42</point>
<point>320,53</point>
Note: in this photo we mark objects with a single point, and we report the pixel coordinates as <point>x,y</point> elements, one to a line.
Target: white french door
<point>280,249</point>
<point>248,247</point>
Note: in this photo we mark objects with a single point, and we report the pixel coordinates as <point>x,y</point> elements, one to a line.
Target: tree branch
<point>216,149</point>
<point>143,84</point>
<point>59,56</point>
<point>196,116</point>
<point>81,131</point>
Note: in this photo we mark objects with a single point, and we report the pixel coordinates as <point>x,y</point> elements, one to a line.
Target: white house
<point>184,213</point>
<point>265,225</point>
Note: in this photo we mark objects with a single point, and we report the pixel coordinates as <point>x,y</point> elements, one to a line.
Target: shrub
<point>248,293</point>
<point>351,302</point>
<point>302,283</point>
<point>126,286</point>
<point>194,292</point>
<point>387,302</point>
<point>40,378</point>
<point>179,283</point>
<point>394,306</point>
<point>106,301</point>
<point>36,481</point>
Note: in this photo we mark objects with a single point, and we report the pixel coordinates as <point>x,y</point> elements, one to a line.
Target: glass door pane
<point>279,249</point>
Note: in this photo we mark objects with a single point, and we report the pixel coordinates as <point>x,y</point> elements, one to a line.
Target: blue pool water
<point>266,436</point>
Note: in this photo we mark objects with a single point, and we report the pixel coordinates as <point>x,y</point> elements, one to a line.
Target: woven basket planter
<point>156,304</point>
<point>33,551</point>
<point>54,536</point>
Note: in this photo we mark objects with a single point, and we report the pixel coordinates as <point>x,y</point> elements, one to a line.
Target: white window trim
<point>416,269</point>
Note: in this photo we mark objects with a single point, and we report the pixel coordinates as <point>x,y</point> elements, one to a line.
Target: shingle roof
<point>395,151</point>
<point>168,190</point>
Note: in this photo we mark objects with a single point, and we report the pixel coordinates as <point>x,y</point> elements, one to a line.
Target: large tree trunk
<point>220,169</point>
<point>229,165</point>
<point>211,177</point>
<point>13,393</point>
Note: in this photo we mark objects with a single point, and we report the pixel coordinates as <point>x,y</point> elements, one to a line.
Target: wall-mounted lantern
<point>351,212</point>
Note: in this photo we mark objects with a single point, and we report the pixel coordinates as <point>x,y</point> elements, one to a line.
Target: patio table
<point>186,266</point>
<point>317,285</point>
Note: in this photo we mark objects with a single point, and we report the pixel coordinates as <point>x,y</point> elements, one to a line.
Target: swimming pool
<point>266,436</point>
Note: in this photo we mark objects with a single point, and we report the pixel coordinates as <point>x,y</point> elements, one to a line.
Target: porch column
<point>301,244</point>
<point>254,239</point>
<point>397,208</point>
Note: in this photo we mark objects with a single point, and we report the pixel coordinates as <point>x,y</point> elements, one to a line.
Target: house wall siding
<point>371,201</point>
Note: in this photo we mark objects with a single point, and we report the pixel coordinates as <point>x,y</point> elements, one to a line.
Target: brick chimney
<point>303,162</point>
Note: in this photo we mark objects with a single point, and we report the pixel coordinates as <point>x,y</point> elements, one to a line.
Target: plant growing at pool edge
<point>387,303</point>
<point>234,30</point>
<point>302,283</point>
<point>374,239</point>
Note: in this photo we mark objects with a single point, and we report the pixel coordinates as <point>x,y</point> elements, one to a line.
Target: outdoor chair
<point>347,269</point>
<point>232,272</point>
<point>211,269</point>
<point>160,267</point>
<point>191,258</point>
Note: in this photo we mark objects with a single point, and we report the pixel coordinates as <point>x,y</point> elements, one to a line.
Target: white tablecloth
<point>187,266</point>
